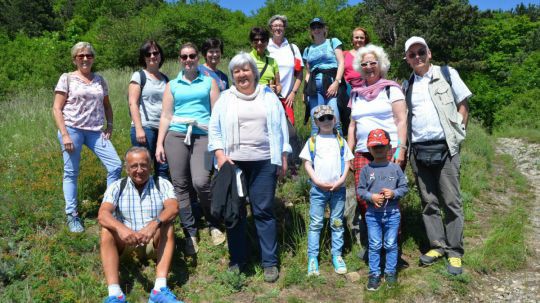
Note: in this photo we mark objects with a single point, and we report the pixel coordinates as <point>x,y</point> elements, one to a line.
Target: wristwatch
<point>158,221</point>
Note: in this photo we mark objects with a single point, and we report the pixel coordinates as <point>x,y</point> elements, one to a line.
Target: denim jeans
<point>383,229</point>
<point>160,169</point>
<point>318,199</point>
<point>261,183</point>
<point>321,99</point>
<point>102,148</point>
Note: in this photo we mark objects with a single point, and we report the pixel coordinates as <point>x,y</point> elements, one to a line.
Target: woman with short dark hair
<point>267,66</point>
<point>212,50</point>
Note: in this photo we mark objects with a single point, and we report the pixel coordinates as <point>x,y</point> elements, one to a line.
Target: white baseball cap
<point>415,40</point>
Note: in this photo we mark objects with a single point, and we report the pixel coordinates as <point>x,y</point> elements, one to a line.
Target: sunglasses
<point>82,56</point>
<point>258,40</point>
<point>421,53</point>
<point>190,56</point>
<point>326,117</point>
<point>316,26</point>
<point>370,63</point>
<point>149,54</point>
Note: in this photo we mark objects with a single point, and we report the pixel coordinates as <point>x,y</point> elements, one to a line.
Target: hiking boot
<point>217,236</point>
<point>164,295</point>
<point>271,274</point>
<point>430,257</point>
<point>391,279</point>
<point>115,299</point>
<point>312,267</point>
<point>374,282</point>
<point>191,246</point>
<point>339,265</point>
<point>454,266</point>
<point>74,224</point>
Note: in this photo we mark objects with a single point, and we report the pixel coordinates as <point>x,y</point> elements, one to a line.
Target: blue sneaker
<point>164,295</point>
<point>74,224</point>
<point>115,299</point>
<point>339,265</point>
<point>312,267</point>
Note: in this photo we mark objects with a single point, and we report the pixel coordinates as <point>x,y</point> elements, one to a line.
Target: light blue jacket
<point>276,123</point>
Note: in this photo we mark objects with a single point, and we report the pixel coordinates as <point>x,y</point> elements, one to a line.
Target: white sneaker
<point>191,248</point>
<point>217,236</point>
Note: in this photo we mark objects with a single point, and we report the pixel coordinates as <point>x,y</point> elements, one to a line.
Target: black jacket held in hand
<point>226,201</point>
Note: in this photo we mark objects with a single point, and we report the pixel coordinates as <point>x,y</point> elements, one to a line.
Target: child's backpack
<point>313,150</point>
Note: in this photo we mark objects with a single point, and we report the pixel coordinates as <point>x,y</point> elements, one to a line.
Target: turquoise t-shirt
<point>191,100</point>
<point>322,56</point>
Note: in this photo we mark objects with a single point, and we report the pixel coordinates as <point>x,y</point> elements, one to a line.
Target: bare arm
<point>134,94</point>
<point>463,109</point>
<point>167,215</point>
<point>399,109</point>
<point>109,116</point>
<point>108,221</point>
<point>214,93</point>
<point>297,82</point>
<point>164,122</point>
<point>333,88</point>
<point>58,105</point>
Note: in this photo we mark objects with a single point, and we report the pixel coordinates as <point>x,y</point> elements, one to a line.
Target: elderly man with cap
<point>437,118</point>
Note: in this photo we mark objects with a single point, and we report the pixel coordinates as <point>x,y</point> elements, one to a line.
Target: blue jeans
<point>317,200</point>
<point>261,184</point>
<point>383,226</point>
<point>321,99</point>
<point>160,169</point>
<point>102,148</point>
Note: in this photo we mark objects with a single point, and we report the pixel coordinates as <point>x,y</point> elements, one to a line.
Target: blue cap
<point>317,20</point>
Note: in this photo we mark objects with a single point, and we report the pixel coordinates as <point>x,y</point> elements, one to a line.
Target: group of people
<point>199,124</point>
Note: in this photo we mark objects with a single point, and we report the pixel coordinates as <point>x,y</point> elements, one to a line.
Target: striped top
<point>134,210</point>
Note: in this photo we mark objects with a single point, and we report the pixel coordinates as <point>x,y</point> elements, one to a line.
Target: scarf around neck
<point>371,92</point>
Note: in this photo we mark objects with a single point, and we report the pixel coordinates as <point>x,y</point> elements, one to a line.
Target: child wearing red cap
<point>382,184</point>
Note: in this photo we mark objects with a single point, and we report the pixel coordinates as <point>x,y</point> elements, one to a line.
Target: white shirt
<point>377,113</point>
<point>285,60</point>
<point>426,125</point>
<point>327,157</point>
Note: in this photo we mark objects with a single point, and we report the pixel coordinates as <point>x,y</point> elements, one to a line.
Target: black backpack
<point>142,75</point>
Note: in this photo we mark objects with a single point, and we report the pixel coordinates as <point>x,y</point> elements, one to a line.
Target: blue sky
<point>252,5</point>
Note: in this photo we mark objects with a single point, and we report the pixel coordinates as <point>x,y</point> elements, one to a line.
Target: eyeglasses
<point>258,40</point>
<point>326,117</point>
<point>136,166</point>
<point>277,26</point>
<point>421,53</point>
<point>82,56</point>
<point>370,63</point>
<point>190,56</point>
<point>149,54</point>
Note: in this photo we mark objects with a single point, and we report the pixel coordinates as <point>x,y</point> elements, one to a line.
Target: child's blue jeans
<point>318,200</point>
<point>383,229</point>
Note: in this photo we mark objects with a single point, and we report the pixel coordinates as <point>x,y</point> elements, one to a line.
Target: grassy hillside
<point>40,261</point>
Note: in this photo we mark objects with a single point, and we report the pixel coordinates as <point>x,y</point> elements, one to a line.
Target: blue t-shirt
<point>191,100</point>
<point>221,79</point>
<point>322,56</point>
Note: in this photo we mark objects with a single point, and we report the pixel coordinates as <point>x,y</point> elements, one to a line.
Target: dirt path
<point>522,285</point>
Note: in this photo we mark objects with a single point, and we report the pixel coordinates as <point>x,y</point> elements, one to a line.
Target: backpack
<point>313,149</point>
<point>142,76</point>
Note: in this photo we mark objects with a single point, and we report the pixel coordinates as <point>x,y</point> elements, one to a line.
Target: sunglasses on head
<point>82,56</point>
<point>190,56</point>
<point>149,54</point>
<point>370,63</point>
<point>326,117</point>
<point>420,53</point>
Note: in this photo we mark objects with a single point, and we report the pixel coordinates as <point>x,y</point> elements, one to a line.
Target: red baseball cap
<point>378,137</point>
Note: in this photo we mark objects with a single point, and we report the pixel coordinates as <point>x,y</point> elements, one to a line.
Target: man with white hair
<point>437,118</point>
